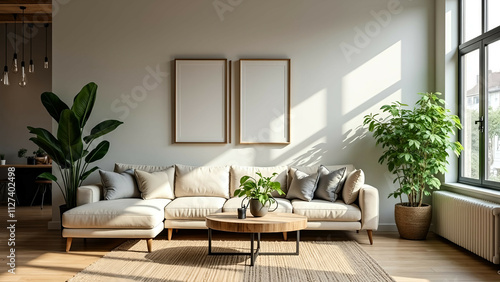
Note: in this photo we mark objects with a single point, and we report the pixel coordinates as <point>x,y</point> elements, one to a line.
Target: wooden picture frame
<point>265,101</point>
<point>201,107</point>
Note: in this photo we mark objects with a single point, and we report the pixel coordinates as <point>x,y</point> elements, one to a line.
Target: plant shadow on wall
<point>67,148</point>
<point>415,144</point>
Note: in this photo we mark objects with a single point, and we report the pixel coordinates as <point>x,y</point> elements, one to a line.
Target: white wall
<point>348,58</point>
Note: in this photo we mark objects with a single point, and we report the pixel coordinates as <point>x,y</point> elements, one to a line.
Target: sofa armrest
<point>369,205</point>
<point>88,194</point>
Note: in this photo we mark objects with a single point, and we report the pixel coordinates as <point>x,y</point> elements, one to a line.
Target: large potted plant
<point>70,149</point>
<point>416,143</point>
<point>259,192</point>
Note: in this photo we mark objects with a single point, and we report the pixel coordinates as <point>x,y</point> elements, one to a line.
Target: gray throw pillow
<point>119,185</point>
<point>302,186</point>
<point>329,183</point>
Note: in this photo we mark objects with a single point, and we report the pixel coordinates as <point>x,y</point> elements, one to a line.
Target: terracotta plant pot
<point>413,222</point>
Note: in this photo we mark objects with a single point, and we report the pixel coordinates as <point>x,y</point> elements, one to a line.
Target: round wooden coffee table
<point>270,223</point>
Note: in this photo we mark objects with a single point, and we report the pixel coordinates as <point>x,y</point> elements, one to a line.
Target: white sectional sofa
<point>200,191</point>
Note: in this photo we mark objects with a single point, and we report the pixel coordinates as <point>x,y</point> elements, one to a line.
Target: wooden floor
<point>40,254</point>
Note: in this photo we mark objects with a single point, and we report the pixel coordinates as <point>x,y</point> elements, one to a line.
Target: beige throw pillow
<point>154,185</point>
<point>352,184</point>
<point>203,181</point>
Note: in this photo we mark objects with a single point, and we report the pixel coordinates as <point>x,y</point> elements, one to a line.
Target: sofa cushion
<point>155,185</point>
<point>121,213</point>
<point>237,172</point>
<point>330,183</point>
<point>208,181</point>
<point>321,210</point>
<point>314,168</point>
<point>193,207</point>
<point>149,168</point>
<point>119,185</point>
<point>303,186</point>
<point>233,204</point>
<point>352,184</point>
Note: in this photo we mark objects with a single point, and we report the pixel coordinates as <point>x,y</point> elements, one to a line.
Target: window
<point>479,91</point>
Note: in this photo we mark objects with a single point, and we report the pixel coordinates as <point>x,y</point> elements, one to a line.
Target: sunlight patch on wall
<point>350,127</point>
<point>371,78</point>
<point>311,117</point>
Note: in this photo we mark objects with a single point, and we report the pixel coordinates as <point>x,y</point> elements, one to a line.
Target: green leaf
<point>48,176</point>
<point>98,152</point>
<point>84,102</point>
<point>46,141</point>
<point>244,179</point>
<point>69,135</point>
<point>101,129</point>
<point>53,105</point>
<point>88,172</point>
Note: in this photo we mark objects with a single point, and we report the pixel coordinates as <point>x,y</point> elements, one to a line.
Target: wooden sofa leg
<point>149,242</point>
<point>285,236</point>
<point>68,244</point>
<point>170,233</point>
<point>370,236</point>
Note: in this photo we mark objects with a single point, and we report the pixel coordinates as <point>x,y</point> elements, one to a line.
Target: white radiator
<point>468,222</point>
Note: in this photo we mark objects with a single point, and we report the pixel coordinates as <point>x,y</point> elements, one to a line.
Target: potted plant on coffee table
<point>70,149</point>
<point>259,192</point>
<point>416,143</point>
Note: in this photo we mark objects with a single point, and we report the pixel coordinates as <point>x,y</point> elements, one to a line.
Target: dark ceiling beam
<point>37,11</point>
<point>29,18</point>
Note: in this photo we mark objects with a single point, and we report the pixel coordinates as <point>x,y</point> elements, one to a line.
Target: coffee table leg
<point>209,241</point>
<point>252,254</point>
<point>297,242</point>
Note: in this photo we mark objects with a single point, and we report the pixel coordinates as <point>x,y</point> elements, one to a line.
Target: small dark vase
<point>30,160</point>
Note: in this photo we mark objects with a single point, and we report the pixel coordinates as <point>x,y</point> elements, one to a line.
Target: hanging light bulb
<point>14,60</point>
<point>5,78</point>
<point>31,67</point>
<point>24,79</point>
<point>46,62</point>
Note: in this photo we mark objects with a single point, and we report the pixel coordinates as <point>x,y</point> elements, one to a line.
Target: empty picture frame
<point>201,101</point>
<point>265,101</point>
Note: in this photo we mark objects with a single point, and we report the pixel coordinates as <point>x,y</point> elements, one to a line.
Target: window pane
<point>493,90</point>
<point>470,132</point>
<point>493,17</point>
<point>471,22</point>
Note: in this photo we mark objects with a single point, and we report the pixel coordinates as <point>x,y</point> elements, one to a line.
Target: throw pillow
<point>353,183</point>
<point>119,185</point>
<point>154,185</point>
<point>302,186</point>
<point>329,183</point>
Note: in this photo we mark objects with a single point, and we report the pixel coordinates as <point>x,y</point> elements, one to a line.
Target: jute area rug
<point>179,260</point>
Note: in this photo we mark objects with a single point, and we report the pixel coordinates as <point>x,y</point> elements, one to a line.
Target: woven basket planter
<point>413,222</point>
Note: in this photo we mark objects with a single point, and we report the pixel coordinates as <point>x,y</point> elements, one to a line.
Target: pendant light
<point>24,80</point>
<point>6,68</point>
<point>14,60</point>
<point>31,67</point>
<point>46,62</point>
